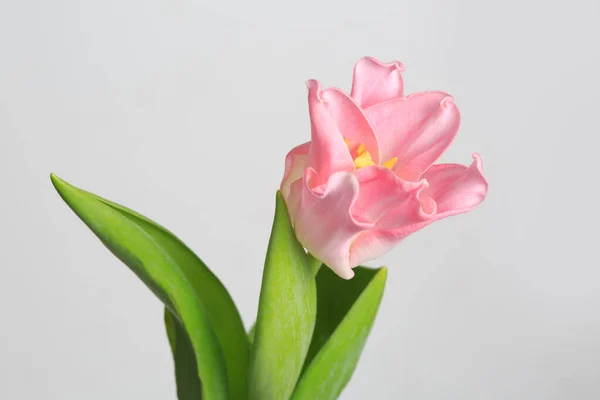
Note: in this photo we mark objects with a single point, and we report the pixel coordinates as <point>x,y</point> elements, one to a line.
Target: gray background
<point>184,111</point>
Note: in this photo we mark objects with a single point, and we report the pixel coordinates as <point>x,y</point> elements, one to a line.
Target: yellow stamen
<point>389,164</point>
<point>363,157</point>
<point>363,160</point>
<point>361,149</point>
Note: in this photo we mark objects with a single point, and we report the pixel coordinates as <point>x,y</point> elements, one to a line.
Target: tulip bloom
<point>366,181</point>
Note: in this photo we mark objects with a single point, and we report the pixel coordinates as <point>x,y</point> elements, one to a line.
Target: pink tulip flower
<point>366,181</point>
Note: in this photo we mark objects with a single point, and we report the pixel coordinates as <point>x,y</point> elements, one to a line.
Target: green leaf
<point>313,263</point>
<point>286,313</point>
<point>335,297</point>
<point>251,333</point>
<point>314,266</point>
<point>188,383</point>
<point>181,281</point>
<point>346,312</point>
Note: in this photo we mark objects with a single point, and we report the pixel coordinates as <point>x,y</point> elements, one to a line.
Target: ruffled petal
<point>427,143</point>
<point>404,218</point>
<point>328,152</point>
<point>351,121</point>
<point>375,82</point>
<point>396,120</point>
<point>452,189</point>
<point>323,222</point>
<point>380,190</point>
<point>295,162</point>
<point>455,188</point>
<point>373,244</point>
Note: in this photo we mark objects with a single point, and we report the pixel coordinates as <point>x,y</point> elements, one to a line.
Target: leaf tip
<point>281,207</point>
<point>279,198</point>
<point>57,182</point>
<point>64,189</point>
<point>55,179</point>
<point>383,271</point>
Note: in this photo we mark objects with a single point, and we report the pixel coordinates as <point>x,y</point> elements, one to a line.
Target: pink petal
<point>295,162</point>
<point>373,244</point>
<point>375,82</point>
<point>405,218</point>
<point>427,143</point>
<point>452,189</point>
<point>322,219</point>
<point>328,152</point>
<point>456,188</point>
<point>396,120</point>
<point>351,121</point>
<point>380,191</point>
<point>294,198</point>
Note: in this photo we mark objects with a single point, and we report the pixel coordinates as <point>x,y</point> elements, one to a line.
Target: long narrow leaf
<point>314,265</point>
<point>286,313</point>
<point>186,377</point>
<point>180,280</point>
<point>220,308</point>
<point>335,297</point>
<point>218,304</point>
<point>346,312</point>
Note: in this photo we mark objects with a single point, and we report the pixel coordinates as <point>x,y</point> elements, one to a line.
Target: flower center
<point>362,158</point>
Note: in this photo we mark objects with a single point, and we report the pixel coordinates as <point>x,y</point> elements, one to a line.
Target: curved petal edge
<point>375,82</point>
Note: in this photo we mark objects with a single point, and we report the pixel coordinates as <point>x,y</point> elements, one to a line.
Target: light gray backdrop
<point>184,110</point>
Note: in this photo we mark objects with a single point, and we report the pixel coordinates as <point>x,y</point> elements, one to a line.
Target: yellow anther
<point>363,157</point>
<point>361,149</point>
<point>389,164</point>
<point>363,160</point>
